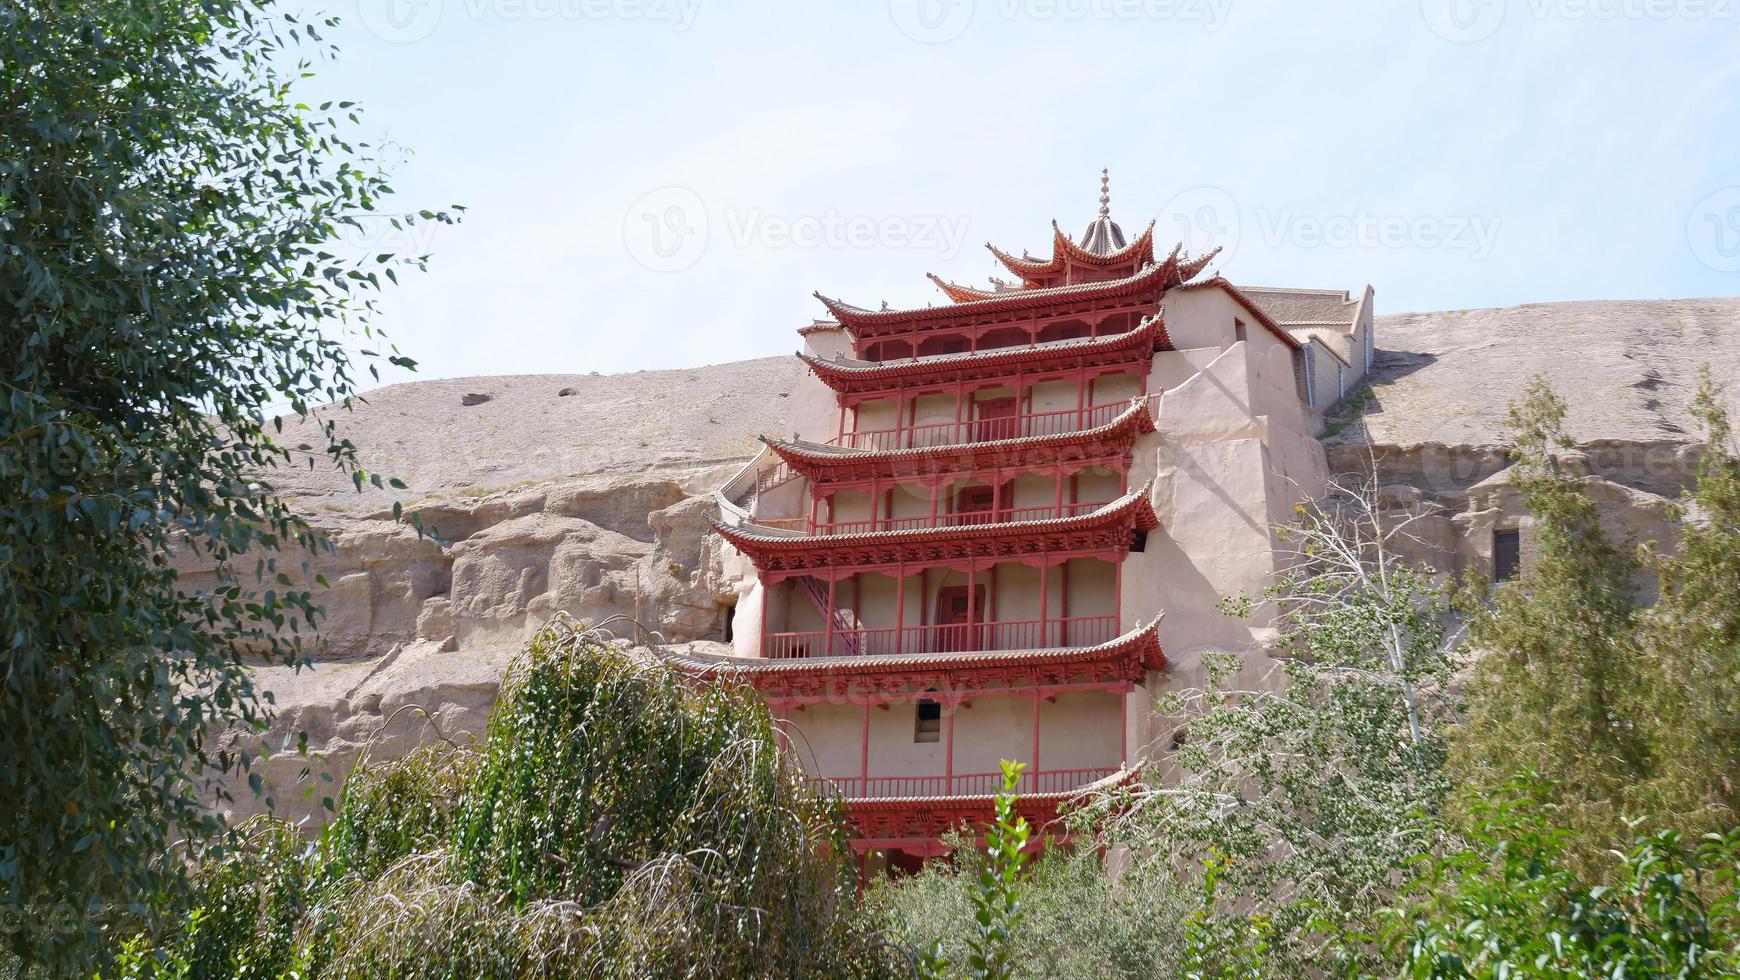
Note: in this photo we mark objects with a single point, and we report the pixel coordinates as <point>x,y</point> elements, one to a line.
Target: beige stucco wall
<point>815,413</point>
<point>1079,730</point>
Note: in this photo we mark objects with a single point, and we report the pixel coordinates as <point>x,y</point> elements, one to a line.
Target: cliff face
<point>1432,418</point>
<point>586,495</point>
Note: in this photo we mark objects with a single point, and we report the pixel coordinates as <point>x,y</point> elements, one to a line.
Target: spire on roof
<point>1103,236</point>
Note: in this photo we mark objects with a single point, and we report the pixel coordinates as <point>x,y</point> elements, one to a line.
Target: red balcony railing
<point>983,430</point>
<point>924,522</point>
<point>1031,634</point>
<point>961,784</point>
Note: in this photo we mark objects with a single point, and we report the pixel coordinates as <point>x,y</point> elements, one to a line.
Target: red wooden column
<point>949,748</point>
<point>1124,725</point>
<point>828,614</point>
<point>1063,600</point>
<point>1044,598</point>
<point>1035,762</point>
<point>1117,599</point>
<point>864,751</point>
<point>900,608</point>
<point>766,597</point>
<point>972,596</point>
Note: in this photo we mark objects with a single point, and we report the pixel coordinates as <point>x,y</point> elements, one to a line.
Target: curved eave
<point>759,541</point>
<point>965,294</point>
<point>840,375</point>
<point>1141,250</point>
<point>1139,647</point>
<point>804,456</point>
<point>887,321</point>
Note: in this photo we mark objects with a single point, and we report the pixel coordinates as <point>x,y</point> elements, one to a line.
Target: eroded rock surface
<point>586,495</point>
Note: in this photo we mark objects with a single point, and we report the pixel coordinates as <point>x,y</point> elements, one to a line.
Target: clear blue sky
<point>662,183</point>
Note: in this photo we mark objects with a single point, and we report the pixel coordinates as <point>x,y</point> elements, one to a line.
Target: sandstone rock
<point>596,506</point>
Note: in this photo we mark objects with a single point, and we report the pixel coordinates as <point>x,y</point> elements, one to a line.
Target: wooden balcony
<point>959,785</point>
<point>925,522</point>
<point>1031,634</point>
<point>983,430</point>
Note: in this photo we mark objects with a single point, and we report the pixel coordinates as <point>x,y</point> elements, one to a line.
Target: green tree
<point>1307,799</point>
<point>619,820</point>
<point>1512,902</point>
<point>167,277</point>
<point>1557,683</point>
<point>1691,644</point>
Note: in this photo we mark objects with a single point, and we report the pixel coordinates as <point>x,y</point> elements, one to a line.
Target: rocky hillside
<point>578,494</point>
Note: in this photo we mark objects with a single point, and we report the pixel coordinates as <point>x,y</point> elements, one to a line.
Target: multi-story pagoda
<point>964,551</point>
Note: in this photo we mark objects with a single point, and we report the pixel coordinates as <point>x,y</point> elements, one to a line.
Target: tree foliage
<point>1690,644</point>
<point>1306,802</point>
<point>1557,681</point>
<point>1512,903</point>
<point>619,820</point>
<point>166,216</point>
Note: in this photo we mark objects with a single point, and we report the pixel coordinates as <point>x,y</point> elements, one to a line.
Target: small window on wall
<point>1238,331</point>
<point>927,721</point>
<point>1506,554</point>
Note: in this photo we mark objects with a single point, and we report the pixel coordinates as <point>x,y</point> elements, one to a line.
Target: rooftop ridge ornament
<point>1105,192</point>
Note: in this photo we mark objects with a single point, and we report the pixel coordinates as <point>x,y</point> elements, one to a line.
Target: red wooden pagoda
<point>938,562</point>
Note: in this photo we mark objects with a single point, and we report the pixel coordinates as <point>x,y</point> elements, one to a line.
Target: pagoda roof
<point>1104,250</point>
<point>1120,660</point>
<point>863,322</point>
<point>786,552</point>
<point>812,458</point>
<point>847,374</point>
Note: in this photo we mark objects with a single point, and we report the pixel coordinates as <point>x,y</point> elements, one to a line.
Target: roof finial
<point>1105,192</point>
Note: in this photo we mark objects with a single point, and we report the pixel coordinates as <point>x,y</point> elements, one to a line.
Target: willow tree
<point>619,820</point>
<point>167,278</point>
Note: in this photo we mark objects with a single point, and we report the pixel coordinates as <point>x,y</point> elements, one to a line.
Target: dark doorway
<point>1506,554</point>
<point>956,630</point>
